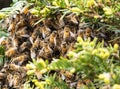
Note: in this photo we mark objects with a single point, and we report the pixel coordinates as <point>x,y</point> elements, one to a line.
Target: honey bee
<point>2,75</point>
<point>33,53</point>
<point>79,84</point>
<point>46,52</point>
<point>52,39</point>
<point>60,21</point>
<point>5,23</point>
<point>34,35</point>
<point>13,80</point>
<point>45,31</point>
<point>22,32</point>
<point>63,48</point>
<point>41,43</point>
<point>8,43</point>
<point>16,81</point>
<point>36,43</point>
<point>17,17</point>
<point>88,32</point>
<point>87,81</point>
<point>32,20</point>
<point>68,35</point>
<point>47,49</point>
<point>25,45</point>
<point>20,59</point>
<point>22,86</point>
<point>14,67</point>
<point>4,87</point>
<point>68,74</point>
<point>20,24</point>
<point>3,41</point>
<point>15,41</point>
<point>49,23</point>
<point>10,80</point>
<point>25,10</point>
<point>11,28</point>
<point>71,47</point>
<point>34,47</point>
<point>72,18</point>
<point>81,33</point>
<point>11,52</point>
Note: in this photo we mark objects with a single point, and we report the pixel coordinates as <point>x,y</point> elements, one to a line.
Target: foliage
<point>2,49</point>
<point>90,60</point>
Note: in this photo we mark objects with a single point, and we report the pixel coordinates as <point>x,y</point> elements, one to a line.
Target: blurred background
<point>5,3</point>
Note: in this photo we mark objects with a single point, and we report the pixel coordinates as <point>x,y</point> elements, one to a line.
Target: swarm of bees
<point>48,39</point>
<point>51,38</point>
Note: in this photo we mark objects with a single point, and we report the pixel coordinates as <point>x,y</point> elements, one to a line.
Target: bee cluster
<point>28,39</point>
<point>50,38</point>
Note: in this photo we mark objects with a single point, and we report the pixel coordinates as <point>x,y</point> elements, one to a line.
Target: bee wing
<point>72,34</point>
<point>10,79</point>
<point>26,36</point>
<point>41,52</point>
<point>2,39</point>
<point>55,42</point>
<point>31,39</point>
<point>61,22</point>
<point>33,54</point>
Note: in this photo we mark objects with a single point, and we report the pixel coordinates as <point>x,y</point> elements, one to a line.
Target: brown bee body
<point>24,46</point>
<point>11,52</point>
<point>45,31</point>
<point>71,47</point>
<point>5,87</point>
<point>81,33</point>
<point>15,41</point>
<point>13,80</point>
<point>68,36</point>
<point>88,32</point>
<point>20,24</point>
<point>34,35</point>
<point>59,21</point>
<point>16,81</point>
<point>11,28</point>
<point>52,39</point>
<point>41,44</point>
<point>68,74</point>
<point>79,84</point>
<point>9,43</point>
<point>46,51</point>
<point>20,59</point>
<point>14,67</point>
<point>22,32</point>
<point>35,47</point>
<point>72,18</point>
<point>36,43</point>
<point>64,48</point>
<point>66,33</point>
<point>25,10</point>
<point>3,41</point>
<point>32,21</point>
<point>49,22</point>
<point>10,80</point>
<point>5,23</point>
<point>17,17</point>
<point>2,75</point>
